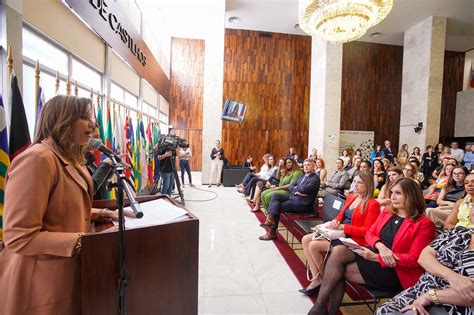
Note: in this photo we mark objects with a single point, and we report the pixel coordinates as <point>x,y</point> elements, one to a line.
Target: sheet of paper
<point>336,204</point>
<point>155,212</point>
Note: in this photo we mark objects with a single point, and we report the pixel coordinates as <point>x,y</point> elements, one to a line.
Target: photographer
<point>166,170</point>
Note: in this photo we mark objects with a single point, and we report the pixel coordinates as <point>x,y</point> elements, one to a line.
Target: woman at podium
<point>48,206</point>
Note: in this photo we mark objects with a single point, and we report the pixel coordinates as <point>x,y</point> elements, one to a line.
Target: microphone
<point>97,144</point>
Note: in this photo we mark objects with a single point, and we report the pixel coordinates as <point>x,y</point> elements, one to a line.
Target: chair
<point>368,296</point>
<point>331,207</point>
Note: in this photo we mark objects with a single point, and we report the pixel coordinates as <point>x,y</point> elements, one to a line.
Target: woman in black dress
<point>430,162</point>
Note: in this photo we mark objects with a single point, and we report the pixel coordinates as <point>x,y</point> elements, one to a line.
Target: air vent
<point>266,35</point>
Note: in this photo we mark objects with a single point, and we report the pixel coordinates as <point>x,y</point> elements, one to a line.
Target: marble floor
<point>239,274</point>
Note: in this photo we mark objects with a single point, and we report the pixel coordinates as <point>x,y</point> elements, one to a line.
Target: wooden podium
<point>161,265</point>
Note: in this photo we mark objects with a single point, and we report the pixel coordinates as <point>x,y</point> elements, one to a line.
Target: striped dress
<point>452,250</point>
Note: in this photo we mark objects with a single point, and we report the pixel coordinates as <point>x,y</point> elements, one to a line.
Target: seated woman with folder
<point>356,216</point>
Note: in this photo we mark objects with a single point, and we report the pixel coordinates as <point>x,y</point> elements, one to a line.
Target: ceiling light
<point>341,20</point>
<point>234,20</point>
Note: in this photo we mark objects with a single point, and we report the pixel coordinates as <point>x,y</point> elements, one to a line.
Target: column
<point>325,100</point>
<point>422,80</point>
<point>213,86</point>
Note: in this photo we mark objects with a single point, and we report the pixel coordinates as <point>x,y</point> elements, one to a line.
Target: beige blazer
<point>47,204</point>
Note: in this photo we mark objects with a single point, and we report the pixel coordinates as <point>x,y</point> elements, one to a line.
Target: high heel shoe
<point>310,292</point>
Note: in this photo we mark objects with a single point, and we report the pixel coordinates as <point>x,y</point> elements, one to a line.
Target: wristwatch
<point>433,296</point>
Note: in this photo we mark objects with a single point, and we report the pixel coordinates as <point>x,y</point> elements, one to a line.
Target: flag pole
<point>68,86</point>
<point>37,82</point>
<point>10,62</point>
<point>76,89</point>
<point>57,82</point>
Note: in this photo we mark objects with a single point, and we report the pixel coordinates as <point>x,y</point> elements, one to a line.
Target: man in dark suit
<point>303,192</point>
<point>389,153</point>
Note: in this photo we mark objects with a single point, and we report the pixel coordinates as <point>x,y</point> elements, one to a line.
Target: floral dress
<point>452,250</point>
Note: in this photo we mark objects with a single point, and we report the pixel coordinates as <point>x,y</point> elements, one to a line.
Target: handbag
<point>322,231</point>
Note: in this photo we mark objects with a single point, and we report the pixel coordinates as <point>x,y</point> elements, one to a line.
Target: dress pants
<point>184,166</point>
<point>216,171</point>
<point>282,203</point>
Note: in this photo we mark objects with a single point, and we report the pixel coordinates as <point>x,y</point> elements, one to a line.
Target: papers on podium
<point>155,212</point>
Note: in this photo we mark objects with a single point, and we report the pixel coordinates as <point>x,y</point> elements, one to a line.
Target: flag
<point>4,160</point>
<point>108,131</point>
<point>156,136</point>
<point>126,130</point>
<point>119,144</point>
<point>39,104</point>
<point>136,158</point>
<point>100,122</point>
<point>143,154</point>
<point>19,132</point>
<point>150,159</point>
<point>131,154</point>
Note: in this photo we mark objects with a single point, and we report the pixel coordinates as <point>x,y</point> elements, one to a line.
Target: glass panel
<point>163,117</point>
<point>86,75</point>
<point>163,128</point>
<point>117,93</point>
<point>131,100</point>
<point>37,48</point>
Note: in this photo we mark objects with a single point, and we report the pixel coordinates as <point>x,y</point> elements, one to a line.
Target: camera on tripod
<point>170,143</point>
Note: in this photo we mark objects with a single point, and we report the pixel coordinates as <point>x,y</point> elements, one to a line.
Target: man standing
<point>469,157</point>
<point>300,199</point>
<point>457,152</point>
<point>389,153</point>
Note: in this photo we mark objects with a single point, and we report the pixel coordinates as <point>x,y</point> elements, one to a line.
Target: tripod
<point>176,178</point>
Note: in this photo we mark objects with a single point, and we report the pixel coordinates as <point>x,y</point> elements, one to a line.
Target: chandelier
<point>341,20</point>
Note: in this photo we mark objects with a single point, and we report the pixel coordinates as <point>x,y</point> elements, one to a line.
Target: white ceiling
<point>187,18</point>
<point>282,15</point>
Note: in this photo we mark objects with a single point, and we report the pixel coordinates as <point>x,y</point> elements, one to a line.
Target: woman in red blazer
<point>396,239</point>
<point>356,216</point>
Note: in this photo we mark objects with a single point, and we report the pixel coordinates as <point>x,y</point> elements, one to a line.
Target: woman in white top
<point>345,158</point>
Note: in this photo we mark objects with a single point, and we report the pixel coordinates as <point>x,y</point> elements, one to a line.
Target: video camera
<point>171,142</point>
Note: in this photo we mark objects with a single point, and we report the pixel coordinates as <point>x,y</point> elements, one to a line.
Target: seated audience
<point>356,216</point>
<point>357,154</point>
<point>463,210</point>
<point>346,159</point>
<point>469,157</point>
<point>439,169</point>
<point>248,163</point>
<point>273,181</point>
<point>402,156</point>
<point>447,153</point>
<point>354,169</point>
<point>263,170</point>
<point>448,280</point>
<point>291,153</point>
<point>393,174</point>
<point>388,152</point>
<point>457,152</point>
<point>439,150</point>
<point>336,182</point>
<point>386,163</point>
<point>409,171</point>
<point>417,174</point>
<point>376,153</point>
<point>314,154</point>
<point>416,153</point>
<point>366,166</point>
<point>439,210</point>
<point>321,170</point>
<point>379,176</point>
<point>396,240</point>
<point>298,160</point>
<point>290,174</point>
<point>261,177</point>
<point>433,191</point>
<point>300,199</point>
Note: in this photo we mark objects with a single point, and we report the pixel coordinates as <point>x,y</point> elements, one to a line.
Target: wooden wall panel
<point>186,94</point>
<point>271,74</point>
<point>452,83</point>
<point>371,89</point>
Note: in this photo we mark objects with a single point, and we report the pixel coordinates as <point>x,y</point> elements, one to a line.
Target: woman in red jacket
<point>359,212</point>
<point>396,240</point>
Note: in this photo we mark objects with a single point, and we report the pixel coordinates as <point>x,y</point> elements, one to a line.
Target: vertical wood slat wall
<point>452,83</point>
<point>271,74</point>
<point>186,94</point>
<point>371,89</point>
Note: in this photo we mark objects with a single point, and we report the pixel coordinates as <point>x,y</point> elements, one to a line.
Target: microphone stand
<point>122,185</point>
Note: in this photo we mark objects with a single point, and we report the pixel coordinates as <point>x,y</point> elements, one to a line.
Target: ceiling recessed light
<point>234,20</point>
<point>375,35</point>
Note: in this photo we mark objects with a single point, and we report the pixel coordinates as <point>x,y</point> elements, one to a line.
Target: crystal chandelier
<point>341,20</point>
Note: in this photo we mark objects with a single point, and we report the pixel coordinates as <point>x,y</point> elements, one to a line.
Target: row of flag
<point>19,139</point>
<point>117,134</point>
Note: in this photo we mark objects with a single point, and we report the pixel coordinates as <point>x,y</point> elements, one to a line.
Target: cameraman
<point>166,170</point>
